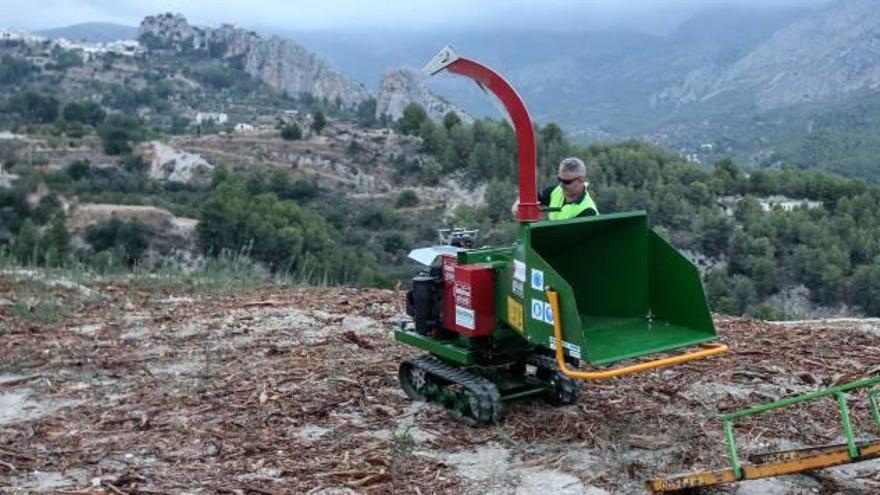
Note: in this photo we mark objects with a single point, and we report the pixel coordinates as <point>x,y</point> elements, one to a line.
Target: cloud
<point>651,15</point>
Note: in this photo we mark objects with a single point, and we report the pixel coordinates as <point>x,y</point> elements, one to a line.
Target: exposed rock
<point>34,197</point>
<point>795,302</point>
<point>18,405</point>
<point>173,241</point>
<point>173,165</point>
<point>179,242</point>
<point>553,481</point>
<point>88,214</point>
<point>402,87</point>
<point>786,485</point>
<point>230,41</point>
<point>824,56</point>
<point>173,30</point>
<point>288,67</point>
<point>821,57</point>
<point>5,178</point>
<point>279,62</point>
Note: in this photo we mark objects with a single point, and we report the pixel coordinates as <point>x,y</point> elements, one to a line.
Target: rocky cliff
<point>402,87</point>
<point>279,62</point>
<point>824,56</point>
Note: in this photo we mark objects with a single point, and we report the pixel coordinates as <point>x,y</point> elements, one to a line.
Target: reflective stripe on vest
<point>571,210</point>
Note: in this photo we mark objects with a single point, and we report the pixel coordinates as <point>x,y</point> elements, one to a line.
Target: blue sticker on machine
<point>548,313</point>
<point>537,279</point>
<point>537,310</point>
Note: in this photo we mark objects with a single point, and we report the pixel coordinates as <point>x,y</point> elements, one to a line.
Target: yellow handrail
<point>708,350</point>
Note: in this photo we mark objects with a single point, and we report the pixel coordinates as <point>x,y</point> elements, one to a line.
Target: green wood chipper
<point>505,323</point>
<point>515,321</point>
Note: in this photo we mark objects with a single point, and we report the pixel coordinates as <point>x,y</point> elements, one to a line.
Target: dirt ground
<point>130,389</point>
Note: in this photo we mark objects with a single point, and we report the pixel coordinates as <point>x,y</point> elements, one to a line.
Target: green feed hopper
<point>623,290</point>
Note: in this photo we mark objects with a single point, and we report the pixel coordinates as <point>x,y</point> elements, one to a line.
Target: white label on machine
<point>548,313</point>
<point>448,269</point>
<point>465,317</point>
<point>573,350</point>
<point>538,280</point>
<point>519,270</point>
<point>537,310</point>
<point>517,288</point>
<point>462,294</point>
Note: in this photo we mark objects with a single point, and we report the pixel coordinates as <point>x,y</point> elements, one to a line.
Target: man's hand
<point>514,208</point>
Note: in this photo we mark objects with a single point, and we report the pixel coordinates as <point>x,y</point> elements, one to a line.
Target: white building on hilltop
<point>217,118</point>
<point>126,48</point>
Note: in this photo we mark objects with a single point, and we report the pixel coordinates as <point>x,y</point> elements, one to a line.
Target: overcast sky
<point>647,15</point>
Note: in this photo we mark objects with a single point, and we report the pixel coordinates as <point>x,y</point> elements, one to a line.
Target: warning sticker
<point>448,269</point>
<point>517,288</point>
<point>462,295</point>
<point>519,270</point>
<point>573,350</point>
<point>515,314</point>
<point>465,317</point>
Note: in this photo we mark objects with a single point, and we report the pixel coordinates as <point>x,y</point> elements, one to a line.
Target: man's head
<point>572,172</point>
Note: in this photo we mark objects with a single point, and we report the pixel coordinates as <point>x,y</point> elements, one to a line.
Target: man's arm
<point>543,199</point>
<point>589,212</point>
<point>544,196</point>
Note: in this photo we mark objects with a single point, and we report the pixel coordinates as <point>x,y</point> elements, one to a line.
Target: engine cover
<point>474,299</point>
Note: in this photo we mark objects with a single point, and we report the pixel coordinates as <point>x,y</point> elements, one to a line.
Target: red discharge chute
<point>525,134</point>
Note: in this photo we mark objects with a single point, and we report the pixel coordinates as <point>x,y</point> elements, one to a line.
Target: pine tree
<point>25,246</point>
<point>412,119</point>
<point>55,244</point>
<point>319,121</point>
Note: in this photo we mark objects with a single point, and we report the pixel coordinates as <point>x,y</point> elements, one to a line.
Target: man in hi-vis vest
<point>570,198</point>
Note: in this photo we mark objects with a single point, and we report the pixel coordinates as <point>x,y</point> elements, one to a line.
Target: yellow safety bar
<point>708,350</point>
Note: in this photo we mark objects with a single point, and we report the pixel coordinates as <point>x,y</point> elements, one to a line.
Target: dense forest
<point>842,139</point>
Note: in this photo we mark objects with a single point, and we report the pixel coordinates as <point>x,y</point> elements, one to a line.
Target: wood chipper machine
<point>510,322</point>
<point>602,293</point>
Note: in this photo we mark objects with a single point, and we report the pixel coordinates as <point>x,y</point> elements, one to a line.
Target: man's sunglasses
<point>567,182</point>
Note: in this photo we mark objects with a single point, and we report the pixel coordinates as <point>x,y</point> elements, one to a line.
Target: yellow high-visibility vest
<point>571,210</point>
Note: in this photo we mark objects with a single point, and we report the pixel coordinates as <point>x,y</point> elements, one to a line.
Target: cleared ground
<point>142,388</point>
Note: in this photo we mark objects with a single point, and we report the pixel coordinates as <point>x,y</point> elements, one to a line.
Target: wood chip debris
<point>269,392</point>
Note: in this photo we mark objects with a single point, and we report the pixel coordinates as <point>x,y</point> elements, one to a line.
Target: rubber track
<point>489,400</point>
<point>570,387</point>
<point>543,361</point>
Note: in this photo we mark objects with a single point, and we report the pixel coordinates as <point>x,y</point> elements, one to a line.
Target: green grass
<point>226,274</point>
<point>44,310</point>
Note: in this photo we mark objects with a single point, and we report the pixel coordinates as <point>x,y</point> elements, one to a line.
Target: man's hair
<point>574,165</point>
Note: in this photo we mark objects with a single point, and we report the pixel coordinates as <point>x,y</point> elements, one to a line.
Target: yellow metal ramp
<point>770,464</point>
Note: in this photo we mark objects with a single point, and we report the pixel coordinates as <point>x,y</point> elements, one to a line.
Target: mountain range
<point>95,32</point>
<point>759,83</point>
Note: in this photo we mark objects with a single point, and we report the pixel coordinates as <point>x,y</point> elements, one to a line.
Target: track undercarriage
<point>475,394</point>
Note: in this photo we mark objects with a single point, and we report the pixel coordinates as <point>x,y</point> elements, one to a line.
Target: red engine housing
<point>468,298</point>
